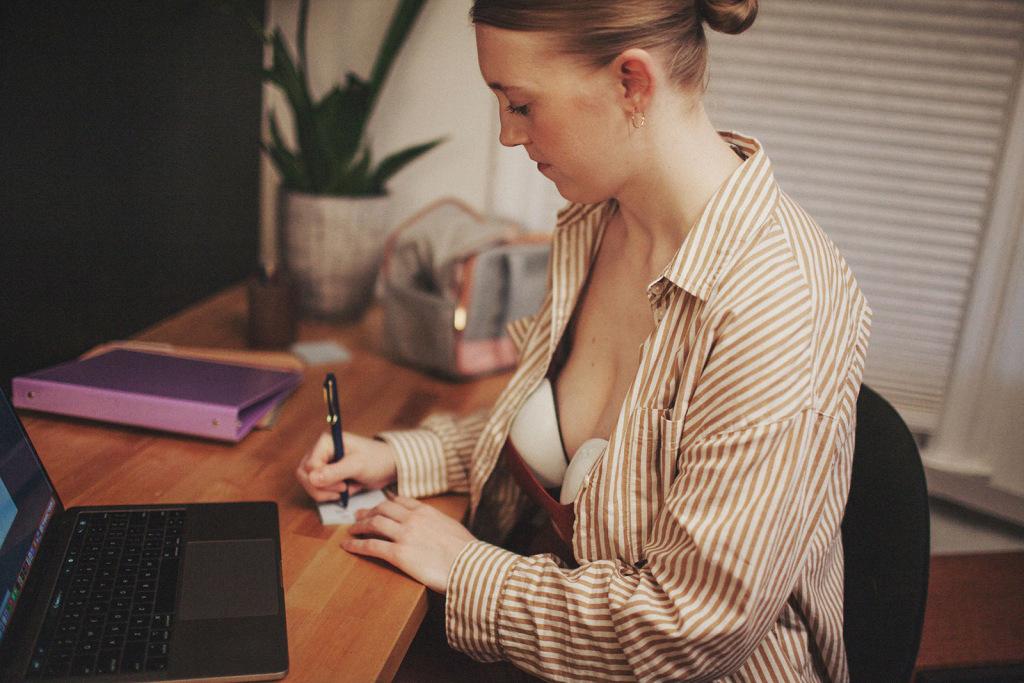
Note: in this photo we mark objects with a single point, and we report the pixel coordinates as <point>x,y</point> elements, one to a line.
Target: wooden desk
<point>349,618</point>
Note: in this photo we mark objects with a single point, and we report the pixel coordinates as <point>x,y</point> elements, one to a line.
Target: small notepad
<point>334,513</point>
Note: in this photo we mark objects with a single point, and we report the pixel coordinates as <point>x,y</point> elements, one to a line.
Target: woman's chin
<point>571,191</point>
<point>578,195</point>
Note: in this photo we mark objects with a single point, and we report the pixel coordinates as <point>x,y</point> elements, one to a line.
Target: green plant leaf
<point>293,174</point>
<point>393,163</point>
<point>398,30</point>
<point>353,181</point>
<point>300,34</point>
<point>342,117</point>
<point>308,131</point>
<point>331,155</point>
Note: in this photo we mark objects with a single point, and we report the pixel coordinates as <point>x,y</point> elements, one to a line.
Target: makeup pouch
<point>451,280</point>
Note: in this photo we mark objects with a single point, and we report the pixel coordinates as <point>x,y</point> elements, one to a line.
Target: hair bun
<point>727,16</point>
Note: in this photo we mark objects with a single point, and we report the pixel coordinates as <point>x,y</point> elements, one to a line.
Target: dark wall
<point>129,165</point>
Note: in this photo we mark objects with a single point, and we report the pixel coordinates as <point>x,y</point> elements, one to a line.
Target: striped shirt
<point>708,537</point>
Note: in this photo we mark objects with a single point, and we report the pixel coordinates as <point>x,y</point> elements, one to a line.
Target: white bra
<point>536,436</point>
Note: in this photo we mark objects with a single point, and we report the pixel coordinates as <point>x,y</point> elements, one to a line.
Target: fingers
<point>330,495</point>
<point>377,525</point>
<point>319,455</point>
<point>368,463</point>
<point>331,475</point>
<point>310,473</point>
<point>375,534</point>
<point>393,509</point>
<point>322,479</point>
<point>414,537</point>
<point>316,458</point>
<point>405,502</point>
<point>391,520</point>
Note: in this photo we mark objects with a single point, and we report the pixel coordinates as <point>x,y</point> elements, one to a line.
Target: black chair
<point>886,546</point>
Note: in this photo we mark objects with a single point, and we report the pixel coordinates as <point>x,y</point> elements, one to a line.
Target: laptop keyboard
<point>112,607</point>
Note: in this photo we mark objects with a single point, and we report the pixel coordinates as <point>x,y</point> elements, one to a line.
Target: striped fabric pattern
<point>708,537</point>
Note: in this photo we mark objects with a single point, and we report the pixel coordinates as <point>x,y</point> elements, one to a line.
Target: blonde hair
<point>600,30</point>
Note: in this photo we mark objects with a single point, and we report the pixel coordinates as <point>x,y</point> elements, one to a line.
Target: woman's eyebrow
<point>502,88</point>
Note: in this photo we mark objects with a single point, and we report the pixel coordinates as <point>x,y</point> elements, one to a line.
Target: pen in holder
<point>272,310</point>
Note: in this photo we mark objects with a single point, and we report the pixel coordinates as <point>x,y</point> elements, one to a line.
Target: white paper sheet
<point>334,513</point>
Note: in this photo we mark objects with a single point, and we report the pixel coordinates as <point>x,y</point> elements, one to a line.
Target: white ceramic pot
<point>333,248</point>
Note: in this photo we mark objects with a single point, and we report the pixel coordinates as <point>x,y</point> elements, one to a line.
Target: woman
<point>690,383</point>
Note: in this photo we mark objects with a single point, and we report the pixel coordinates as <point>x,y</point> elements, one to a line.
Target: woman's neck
<point>680,168</point>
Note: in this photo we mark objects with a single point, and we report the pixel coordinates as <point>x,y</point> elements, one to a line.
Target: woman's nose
<point>511,133</point>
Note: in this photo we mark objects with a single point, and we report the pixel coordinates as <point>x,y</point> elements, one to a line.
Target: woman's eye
<point>519,111</point>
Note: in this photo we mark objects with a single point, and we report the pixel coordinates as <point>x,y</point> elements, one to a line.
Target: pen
<point>334,419</point>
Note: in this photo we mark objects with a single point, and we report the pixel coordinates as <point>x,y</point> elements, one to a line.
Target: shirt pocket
<point>652,442</point>
<point>664,457</point>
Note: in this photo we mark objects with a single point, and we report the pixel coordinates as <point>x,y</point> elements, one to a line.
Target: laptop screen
<point>27,503</point>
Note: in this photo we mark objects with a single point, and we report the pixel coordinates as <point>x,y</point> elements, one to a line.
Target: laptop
<point>169,592</point>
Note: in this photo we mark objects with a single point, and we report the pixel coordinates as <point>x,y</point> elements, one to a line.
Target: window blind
<point>886,120</point>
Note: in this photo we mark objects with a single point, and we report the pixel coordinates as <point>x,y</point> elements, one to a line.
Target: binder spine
<point>140,410</point>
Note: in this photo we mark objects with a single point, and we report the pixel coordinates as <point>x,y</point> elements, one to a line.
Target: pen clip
<point>331,397</point>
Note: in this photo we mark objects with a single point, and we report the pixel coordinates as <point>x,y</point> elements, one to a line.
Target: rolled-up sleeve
<point>434,458</point>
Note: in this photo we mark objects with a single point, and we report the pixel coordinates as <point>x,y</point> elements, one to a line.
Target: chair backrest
<point>886,546</point>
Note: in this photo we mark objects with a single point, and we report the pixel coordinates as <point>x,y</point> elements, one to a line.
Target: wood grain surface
<point>349,618</point>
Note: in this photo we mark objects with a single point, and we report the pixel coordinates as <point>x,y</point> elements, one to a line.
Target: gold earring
<point>638,119</point>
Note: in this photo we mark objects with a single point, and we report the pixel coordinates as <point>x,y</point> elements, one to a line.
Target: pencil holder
<point>272,312</point>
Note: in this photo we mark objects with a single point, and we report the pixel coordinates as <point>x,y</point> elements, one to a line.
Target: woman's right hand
<point>368,464</point>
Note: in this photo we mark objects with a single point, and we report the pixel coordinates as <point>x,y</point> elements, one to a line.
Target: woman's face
<point>570,118</point>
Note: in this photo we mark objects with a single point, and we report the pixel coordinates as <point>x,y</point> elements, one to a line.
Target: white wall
<point>434,90</point>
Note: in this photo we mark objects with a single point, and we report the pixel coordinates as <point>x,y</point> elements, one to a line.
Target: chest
<point>600,352</point>
<point>627,489</point>
<point>636,393</point>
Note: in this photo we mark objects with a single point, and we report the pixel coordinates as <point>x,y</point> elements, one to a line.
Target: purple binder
<point>204,398</point>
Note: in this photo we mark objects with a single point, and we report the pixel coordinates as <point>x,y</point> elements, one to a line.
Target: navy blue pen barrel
<point>334,419</point>
<point>339,448</point>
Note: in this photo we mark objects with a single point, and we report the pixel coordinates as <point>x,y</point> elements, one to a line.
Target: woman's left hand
<point>418,539</point>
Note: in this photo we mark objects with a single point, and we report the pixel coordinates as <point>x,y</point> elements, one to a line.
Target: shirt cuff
<point>421,463</point>
<point>475,585</point>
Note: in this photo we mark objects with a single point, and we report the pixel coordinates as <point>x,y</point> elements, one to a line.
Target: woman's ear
<point>637,74</point>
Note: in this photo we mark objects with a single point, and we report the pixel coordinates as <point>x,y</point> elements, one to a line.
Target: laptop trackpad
<point>226,579</point>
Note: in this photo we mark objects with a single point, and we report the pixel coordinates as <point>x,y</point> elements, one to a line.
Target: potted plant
<point>333,192</point>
